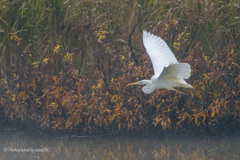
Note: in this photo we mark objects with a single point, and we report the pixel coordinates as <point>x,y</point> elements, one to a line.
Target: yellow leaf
<point>56,49</point>
<point>45,60</point>
<point>212,114</point>
<point>119,126</point>
<point>196,120</point>
<point>123,58</point>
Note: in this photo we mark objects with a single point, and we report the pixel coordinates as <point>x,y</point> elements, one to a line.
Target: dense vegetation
<point>65,64</point>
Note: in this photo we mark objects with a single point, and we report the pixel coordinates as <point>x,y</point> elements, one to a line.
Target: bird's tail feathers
<point>182,83</point>
<point>185,85</point>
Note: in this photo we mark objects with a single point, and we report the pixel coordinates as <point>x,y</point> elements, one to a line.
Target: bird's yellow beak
<point>135,83</point>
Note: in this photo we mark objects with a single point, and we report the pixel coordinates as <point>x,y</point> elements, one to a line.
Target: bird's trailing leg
<point>179,91</point>
<point>205,106</point>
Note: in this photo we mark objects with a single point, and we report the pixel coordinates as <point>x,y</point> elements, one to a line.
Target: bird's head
<point>148,87</point>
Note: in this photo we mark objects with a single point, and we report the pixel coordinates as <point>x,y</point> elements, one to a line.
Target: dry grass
<point>65,64</point>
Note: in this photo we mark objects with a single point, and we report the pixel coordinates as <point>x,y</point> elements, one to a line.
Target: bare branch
<point>129,40</point>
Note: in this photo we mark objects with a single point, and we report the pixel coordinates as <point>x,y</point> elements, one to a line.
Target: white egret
<point>168,73</point>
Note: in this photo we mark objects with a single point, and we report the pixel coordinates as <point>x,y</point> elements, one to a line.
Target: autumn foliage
<point>66,65</point>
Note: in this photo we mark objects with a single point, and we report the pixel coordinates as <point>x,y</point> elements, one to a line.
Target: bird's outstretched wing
<point>176,71</point>
<point>158,51</point>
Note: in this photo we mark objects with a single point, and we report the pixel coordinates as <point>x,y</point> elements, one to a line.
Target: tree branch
<point>129,39</point>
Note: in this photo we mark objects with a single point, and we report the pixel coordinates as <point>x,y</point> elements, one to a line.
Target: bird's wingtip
<point>145,34</point>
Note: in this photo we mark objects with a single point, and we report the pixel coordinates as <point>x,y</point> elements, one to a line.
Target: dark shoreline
<point>196,131</point>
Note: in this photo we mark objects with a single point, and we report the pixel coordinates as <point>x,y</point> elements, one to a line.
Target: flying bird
<point>168,72</point>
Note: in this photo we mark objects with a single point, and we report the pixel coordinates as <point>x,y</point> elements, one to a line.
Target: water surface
<point>21,145</point>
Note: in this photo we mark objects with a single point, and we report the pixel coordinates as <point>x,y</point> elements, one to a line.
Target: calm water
<point>20,145</point>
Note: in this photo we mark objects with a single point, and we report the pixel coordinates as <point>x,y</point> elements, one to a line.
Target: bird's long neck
<point>148,88</point>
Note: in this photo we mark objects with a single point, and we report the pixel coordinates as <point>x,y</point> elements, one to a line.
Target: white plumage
<point>158,51</point>
<point>168,73</point>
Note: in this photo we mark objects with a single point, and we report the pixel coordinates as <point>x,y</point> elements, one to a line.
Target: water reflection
<point>20,145</point>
